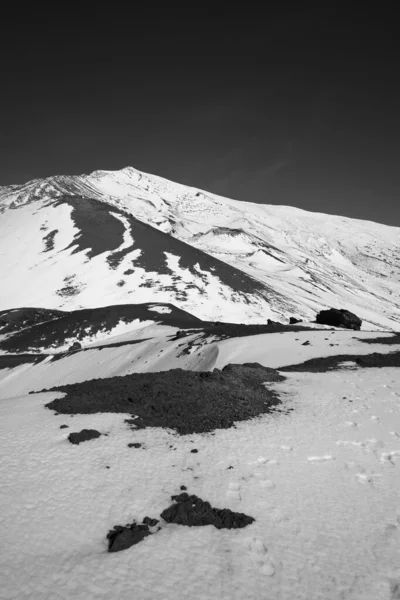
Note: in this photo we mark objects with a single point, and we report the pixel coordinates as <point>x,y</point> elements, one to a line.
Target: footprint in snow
<point>259,554</point>
<point>386,549</point>
<point>233,492</point>
<point>322,458</point>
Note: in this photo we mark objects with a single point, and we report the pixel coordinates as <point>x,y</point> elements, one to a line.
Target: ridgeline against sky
<point>296,107</point>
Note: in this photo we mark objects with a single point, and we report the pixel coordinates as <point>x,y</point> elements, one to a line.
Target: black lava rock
<point>192,511</point>
<point>293,321</point>
<point>75,347</point>
<point>186,401</point>
<point>339,318</point>
<point>121,538</point>
<point>135,445</point>
<point>83,436</point>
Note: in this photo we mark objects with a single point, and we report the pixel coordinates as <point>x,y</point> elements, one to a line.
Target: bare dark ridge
<point>85,322</point>
<point>332,363</point>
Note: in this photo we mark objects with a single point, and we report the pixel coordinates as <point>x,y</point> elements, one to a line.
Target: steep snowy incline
<point>312,260</point>
<point>77,252</point>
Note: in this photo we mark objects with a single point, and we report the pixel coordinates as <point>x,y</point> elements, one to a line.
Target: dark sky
<point>297,106</point>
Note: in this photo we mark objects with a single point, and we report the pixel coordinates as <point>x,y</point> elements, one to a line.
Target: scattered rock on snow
<point>339,318</point>
<point>192,511</point>
<point>83,436</point>
<point>121,538</point>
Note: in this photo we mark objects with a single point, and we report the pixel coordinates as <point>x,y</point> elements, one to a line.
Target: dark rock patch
<point>293,321</point>
<point>123,537</point>
<point>10,361</point>
<point>135,445</point>
<point>332,363</point>
<point>392,340</point>
<point>20,318</point>
<point>99,230</point>
<point>63,426</point>
<point>83,436</point>
<point>194,451</point>
<point>49,240</point>
<point>185,401</point>
<point>186,510</point>
<point>75,347</point>
<point>339,318</point>
<point>307,343</point>
<point>78,324</point>
<point>194,512</point>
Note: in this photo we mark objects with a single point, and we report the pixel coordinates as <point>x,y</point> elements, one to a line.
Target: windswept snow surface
<point>305,261</point>
<point>322,482</point>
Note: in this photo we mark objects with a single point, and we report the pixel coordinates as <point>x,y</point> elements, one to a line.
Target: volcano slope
<point>303,465</point>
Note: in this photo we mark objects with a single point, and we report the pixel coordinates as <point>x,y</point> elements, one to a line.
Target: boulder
<point>74,347</point>
<point>293,321</point>
<point>83,436</point>
<point>180,334</point>
<point>339,318</point>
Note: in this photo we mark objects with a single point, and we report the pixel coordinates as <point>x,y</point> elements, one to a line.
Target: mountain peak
<point>111,234</point>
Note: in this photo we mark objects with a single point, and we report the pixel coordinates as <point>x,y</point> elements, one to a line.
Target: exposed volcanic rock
<point>83,436</point>
<point>339,318</point>
<point>75,347</point>
<point>332,363</point>
<point>9,361</point>
<point>186,401</point>
<point>293,321</point>
<point>20,318</point>
<point>78,324</point>
<point>121,538</point>
<point>194,512</point>
<point>186,510</point>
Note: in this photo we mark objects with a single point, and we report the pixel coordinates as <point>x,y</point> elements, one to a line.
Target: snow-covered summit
<point>293,262</point>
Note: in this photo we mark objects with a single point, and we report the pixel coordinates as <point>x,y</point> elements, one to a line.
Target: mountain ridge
<point>306,261</point>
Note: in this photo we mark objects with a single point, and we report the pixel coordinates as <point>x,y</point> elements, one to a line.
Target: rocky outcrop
<point>83,436</point>
<point>293,321</point>
<point>75,347</point>
<point>193,511</point>
<point>339,318</point>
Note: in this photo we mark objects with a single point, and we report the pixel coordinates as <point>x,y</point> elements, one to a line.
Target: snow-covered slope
<point>73,252</point>
<point>302,262</point>
<point>320,478</point>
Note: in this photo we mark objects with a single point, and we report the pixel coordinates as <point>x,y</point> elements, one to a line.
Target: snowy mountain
<point>74,242</point>
<point>160,438</point>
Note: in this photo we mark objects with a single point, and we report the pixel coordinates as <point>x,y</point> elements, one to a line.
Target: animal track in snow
<point>259,554</point>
